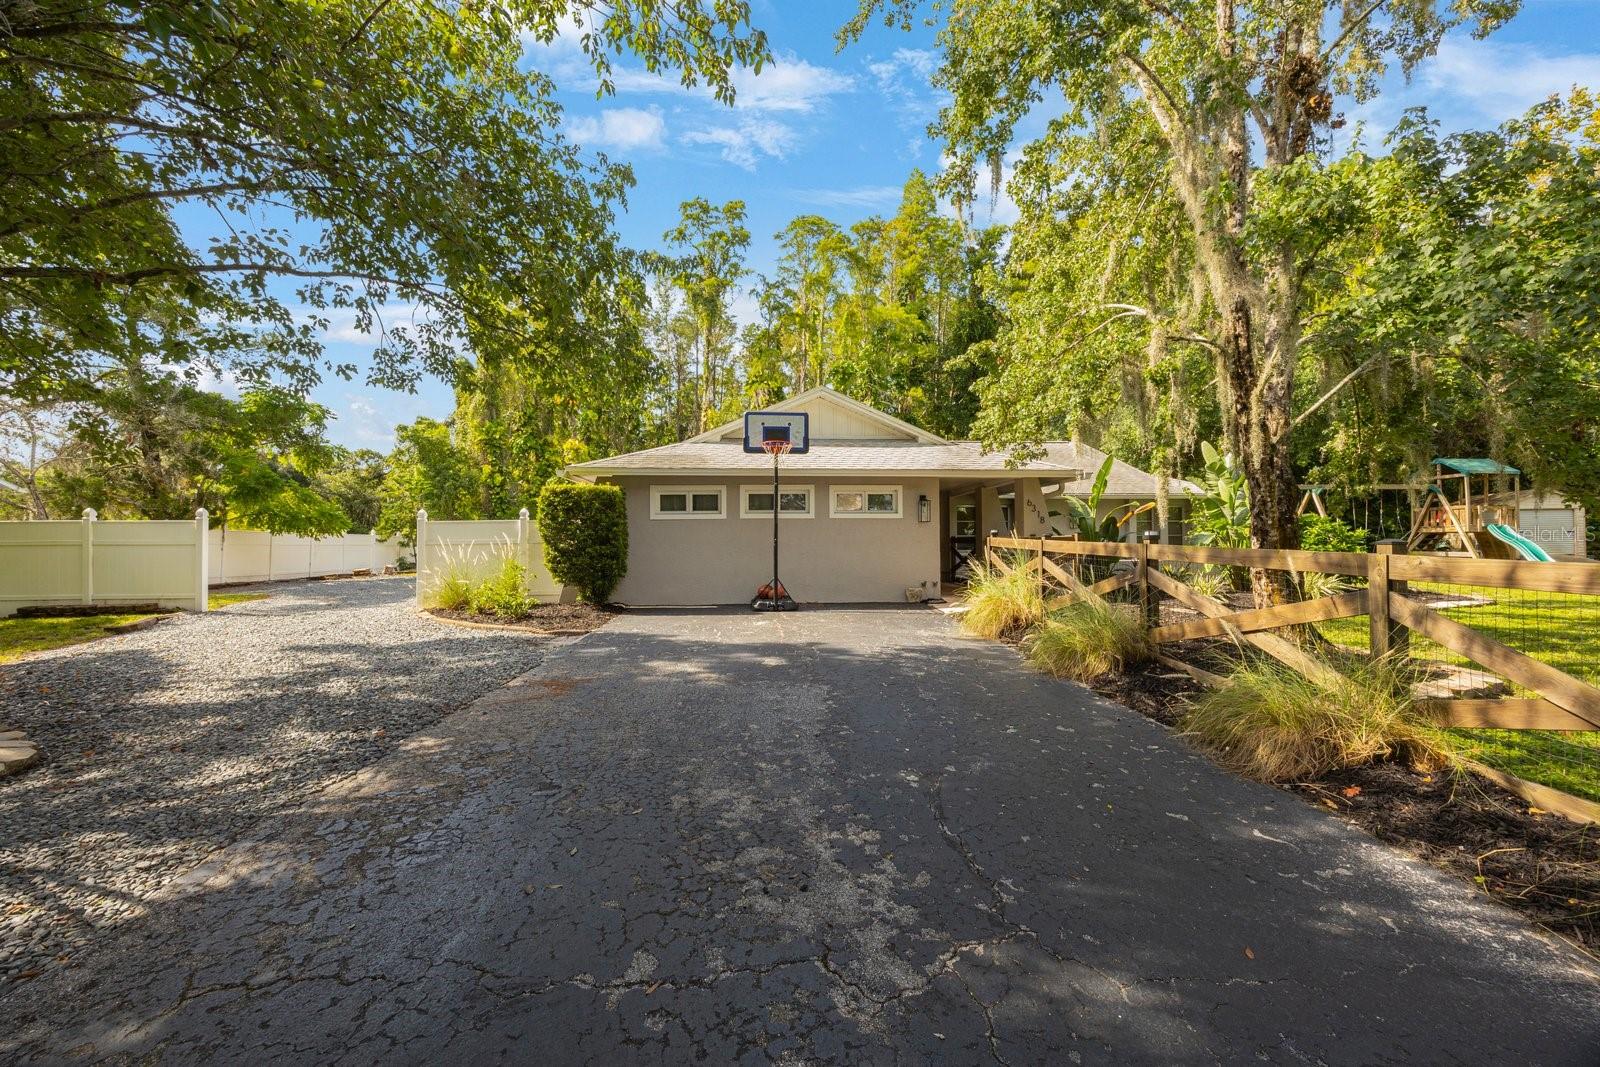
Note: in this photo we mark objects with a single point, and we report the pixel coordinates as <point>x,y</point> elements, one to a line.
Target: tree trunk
<point>1258,415</point>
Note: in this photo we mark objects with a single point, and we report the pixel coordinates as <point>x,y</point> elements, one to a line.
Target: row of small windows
<point>755,501</point>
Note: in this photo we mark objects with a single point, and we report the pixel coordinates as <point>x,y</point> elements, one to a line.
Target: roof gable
<point>834,417</point>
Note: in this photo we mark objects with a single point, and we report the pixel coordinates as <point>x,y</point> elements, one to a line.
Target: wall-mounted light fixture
<point>924,509</point>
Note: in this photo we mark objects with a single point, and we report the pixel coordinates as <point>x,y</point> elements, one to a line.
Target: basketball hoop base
<point>769,599</point>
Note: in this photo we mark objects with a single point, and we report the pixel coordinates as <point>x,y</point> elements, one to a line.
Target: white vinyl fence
<point>85,561</point>
<point>477,548</point>
<point>174,563</point>
<point>256,556</point>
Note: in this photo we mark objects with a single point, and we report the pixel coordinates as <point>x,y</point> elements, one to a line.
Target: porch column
<point>1031,513</point>
<point>990,517</point>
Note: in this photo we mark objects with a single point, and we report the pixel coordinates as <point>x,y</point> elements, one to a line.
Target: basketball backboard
<point>791,426</point>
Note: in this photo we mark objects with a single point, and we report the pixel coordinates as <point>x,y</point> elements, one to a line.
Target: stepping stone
<point>16,756</point>
<point>1450,682</point>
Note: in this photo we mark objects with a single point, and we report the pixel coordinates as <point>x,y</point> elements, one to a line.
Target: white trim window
<point>864,502</point>
<point>687,502</point>
<point>794,501</point>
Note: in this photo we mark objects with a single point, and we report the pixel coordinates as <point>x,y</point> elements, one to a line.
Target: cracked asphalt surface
<point>834,836</point>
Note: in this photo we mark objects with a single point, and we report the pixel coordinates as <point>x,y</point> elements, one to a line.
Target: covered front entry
<point>972,510</point>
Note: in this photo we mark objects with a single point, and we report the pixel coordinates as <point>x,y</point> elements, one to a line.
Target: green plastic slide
<point>1524,547</point>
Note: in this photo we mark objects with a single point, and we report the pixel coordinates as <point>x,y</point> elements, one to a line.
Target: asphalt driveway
<point>836,836</point>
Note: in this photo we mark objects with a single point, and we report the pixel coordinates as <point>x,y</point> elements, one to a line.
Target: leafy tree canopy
<point>153,445</point>
<point>1466,313</point>
<point>362,152</point>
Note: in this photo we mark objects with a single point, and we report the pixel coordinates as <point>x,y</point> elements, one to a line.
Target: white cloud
<point>788,84</point>
<point>363,425</point>
<point>566,44</point>
<point>365,417</point>
<point>747,143</point>
<point>342,325</point>
<point>621,128</point>
<point>860,196</point>
<point>1502,80</point>
<point>919,62</point>
<point>219,380</point>
<point>902,82</point>
<point>634,80</point>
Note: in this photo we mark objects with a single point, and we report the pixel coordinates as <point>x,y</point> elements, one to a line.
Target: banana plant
<point>1220,513</point>
<point>1081,512</point>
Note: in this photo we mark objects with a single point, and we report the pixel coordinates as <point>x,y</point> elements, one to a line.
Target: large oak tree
<point>1234,93</point>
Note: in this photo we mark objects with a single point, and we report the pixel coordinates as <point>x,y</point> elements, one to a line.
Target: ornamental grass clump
<point>1274,724</point>
<point>504,595</point>
<point>1088,639</point>
<point>452,583</point>
<point>1001,605</point>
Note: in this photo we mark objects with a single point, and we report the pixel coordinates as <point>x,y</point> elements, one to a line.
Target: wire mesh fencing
<point>1515,644</point>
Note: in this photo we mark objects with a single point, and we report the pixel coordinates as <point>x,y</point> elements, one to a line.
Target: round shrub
<point>1320,534</point>
<point>585,534</point>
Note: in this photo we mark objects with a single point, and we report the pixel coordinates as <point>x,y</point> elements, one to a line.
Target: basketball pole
<point>776,440</point>
<point>775,600</point>
<point>775,454</point>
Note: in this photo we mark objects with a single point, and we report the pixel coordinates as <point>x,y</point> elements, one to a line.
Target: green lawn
<point>1558,629</point>
<point>222,600</point>
<point>19,637</point>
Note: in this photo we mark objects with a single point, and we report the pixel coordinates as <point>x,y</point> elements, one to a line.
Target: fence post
<point>86,557</point>
<point>1149,606</point>
<point>525,547</point>
<point>1384,634</point>
<point>202,547</point>
<point>422,550</point>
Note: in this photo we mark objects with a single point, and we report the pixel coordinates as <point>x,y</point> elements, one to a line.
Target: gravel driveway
<point>162,745</point>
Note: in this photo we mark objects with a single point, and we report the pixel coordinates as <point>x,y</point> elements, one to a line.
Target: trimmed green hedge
<point>585,534</point>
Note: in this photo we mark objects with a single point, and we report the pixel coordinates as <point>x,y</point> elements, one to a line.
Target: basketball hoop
<point>777,434</point>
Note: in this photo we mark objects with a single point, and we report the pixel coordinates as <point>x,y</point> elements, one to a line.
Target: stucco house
<point>876,508</point>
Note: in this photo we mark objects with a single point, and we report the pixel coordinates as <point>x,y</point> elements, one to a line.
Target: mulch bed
<point>554,619</point>
<point>1541,864</point>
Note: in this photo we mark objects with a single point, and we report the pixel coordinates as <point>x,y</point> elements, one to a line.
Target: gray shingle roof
<point>1125,480</point>
<point>1075,464</point>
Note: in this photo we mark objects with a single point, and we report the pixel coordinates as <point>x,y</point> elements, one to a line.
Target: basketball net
<point>776,448</point>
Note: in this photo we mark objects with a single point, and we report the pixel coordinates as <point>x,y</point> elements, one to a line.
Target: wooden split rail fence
<point>1560,701</point>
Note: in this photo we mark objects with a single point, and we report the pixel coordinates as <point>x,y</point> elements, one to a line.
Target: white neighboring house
<point>877,510</point>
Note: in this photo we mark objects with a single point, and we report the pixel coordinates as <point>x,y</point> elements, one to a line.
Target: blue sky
<point>837,133</point>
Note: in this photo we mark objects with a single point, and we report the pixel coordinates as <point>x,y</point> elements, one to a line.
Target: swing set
<point>1461,511</point>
